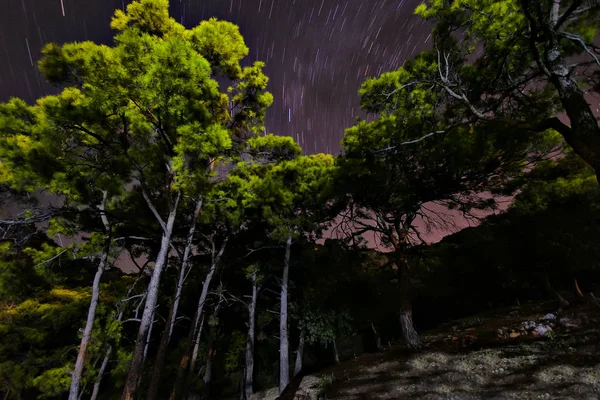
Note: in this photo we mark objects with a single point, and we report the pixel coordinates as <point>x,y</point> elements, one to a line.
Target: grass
<point>563,366</point>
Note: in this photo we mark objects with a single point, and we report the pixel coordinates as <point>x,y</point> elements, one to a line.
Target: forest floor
<point>490,356</point>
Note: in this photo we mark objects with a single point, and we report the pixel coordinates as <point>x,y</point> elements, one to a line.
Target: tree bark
<point>299,354</point>
<point>249,370</point>
<point>96,389</point>
<point>185,358</point>
<point>89,324</point>
<point>284,363</point>
<point>109,350</point>
<point>197,339</point>
<point>168,331</point>
<point>336,356</point>
<point>208,371</point>
<point>584,135</point>
<point>406,320</point>
<point>134,375</point>
<point>148,341</point>
<point>377,338</point>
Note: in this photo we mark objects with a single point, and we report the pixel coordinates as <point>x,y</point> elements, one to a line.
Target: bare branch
<point>131,298</point>
<point>53,258</point>
<point>261,248</point>
<point>26,221</point>
<point>578,39</point>
<point>153,209</point>
<point>410,141</point>
<point>132,238</point>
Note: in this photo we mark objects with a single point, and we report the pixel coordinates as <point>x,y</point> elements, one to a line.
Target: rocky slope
<point>529,352</point>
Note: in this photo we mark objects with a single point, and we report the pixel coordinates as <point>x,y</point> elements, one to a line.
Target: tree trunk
<point>299,354</point>
<point>584,135</point>
<point>406,320</point>
<point>89,324</point>
<point>336,356</point>
<point>208,371</point>
<point>284,363</point>
<point>109,350</point>
<point>148,341</point>
<point>249,369</point>
<point>168,331</point>
<point>197,339</point>
<point>135,369</point>
<point>184,363</point>
<point>101,373</point>
<point>377,338</point>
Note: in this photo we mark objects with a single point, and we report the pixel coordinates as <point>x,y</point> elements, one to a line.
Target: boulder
<point>568,323</point>
<point>311,388</point>
<point>542,330</point>
<point>549,317</point>
<point>270,394</point>
<point>529,325</point>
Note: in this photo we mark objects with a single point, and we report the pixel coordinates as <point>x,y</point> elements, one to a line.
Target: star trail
<point>317,52</point>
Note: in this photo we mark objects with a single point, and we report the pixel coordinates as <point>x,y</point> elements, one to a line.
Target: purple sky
<point>318,52</point>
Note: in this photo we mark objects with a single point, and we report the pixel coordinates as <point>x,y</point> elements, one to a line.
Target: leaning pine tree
<point>516,63</point>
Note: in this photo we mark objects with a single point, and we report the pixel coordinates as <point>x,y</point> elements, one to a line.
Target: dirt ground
<point>483,357</point>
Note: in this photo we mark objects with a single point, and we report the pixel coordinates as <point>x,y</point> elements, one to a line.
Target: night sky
<point>318,52</point>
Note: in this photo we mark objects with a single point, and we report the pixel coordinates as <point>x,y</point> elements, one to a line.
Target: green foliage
<point>288,191</point>
<point>389,180</point>
<point>507,70</point>
<point>325,383</point>
<point>151,100</point>
<point>323,326</point>
<point>119,372</point>
<point>235,351</point>
<point>53,382</point>
<point>35,334</point>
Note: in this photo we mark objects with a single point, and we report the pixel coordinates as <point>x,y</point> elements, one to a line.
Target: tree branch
<point>578,39</point>
<point>409,142</point>
<point>153,209</point>
<point>572,10</point>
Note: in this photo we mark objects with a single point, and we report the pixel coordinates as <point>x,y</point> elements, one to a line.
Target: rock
<point>514,335</point>
<point>541,330</point>
<point>529,325</point>
<point>567,323</point>
<point>549,317</point>
<point>270,394</point>
<point>311,388</point>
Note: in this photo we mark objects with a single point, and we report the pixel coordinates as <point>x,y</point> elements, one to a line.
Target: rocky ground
<point>528,352</point>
